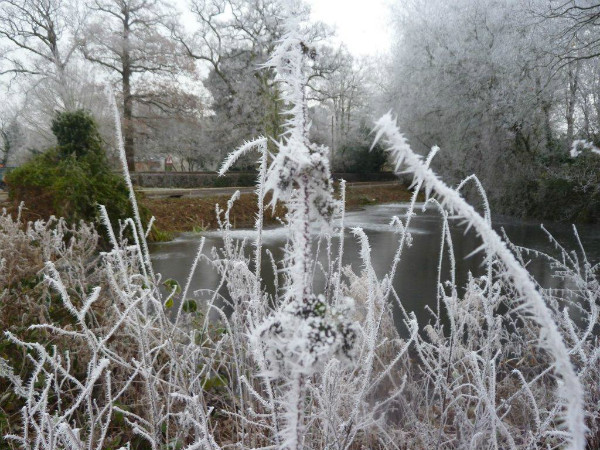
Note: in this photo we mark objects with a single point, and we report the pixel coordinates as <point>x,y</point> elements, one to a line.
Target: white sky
<point>362,25</point>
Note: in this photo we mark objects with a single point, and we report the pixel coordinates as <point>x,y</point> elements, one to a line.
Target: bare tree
<point>233,40</point>
<point>180,113</point>
<point>476,75</point>
<point>128,39</point>
<point>39,38</point>
<point>340,83</point>
<point>227,29</point>
<point>577,24</point>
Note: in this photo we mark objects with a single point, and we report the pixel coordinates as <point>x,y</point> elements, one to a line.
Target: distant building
<point>154,164</point>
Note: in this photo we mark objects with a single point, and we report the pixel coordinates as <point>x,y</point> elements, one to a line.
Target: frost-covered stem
<point>294,400</point>
<point>129,184</point>
<point>289,62</point>
<point>440,290</point>
<point>113,240</point>
<point>487,213</point>
<point>299,222</point>
<point>268,385</point>
<point>488,217</point>
<point>304,241</point>
<point>137,246</point>
<point>260,192</point>
<point>405,234</point>
<point>149,226</point>
<point>445,392</point>
<point>571,390</point>
<point>338,280</point>
<point>189,281</point>
<point>372,326</point>
<point>260,144</point>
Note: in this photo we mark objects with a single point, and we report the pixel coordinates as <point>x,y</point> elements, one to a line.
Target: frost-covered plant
<point>25,249</point>
<point>569,390</point>
<point>304,335</point>
<point>305,330</point>
<point>308,339</point>
<point>575,310</point>
<point>299,174</point>
<point>137,365</point>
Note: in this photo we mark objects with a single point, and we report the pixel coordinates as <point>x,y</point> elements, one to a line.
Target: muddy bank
<point>185,214</point>
<point>174,215</point>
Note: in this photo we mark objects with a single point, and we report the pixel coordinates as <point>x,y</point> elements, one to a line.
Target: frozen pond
<point>416,278</point>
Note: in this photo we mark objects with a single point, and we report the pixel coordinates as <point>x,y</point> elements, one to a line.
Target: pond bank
<point>177,215</point>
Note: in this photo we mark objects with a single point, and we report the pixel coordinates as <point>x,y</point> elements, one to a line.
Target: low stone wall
<point>211,179</point>
<point>192,179</point>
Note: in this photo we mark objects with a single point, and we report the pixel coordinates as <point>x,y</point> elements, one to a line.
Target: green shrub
<point>563,189</point>
<point>76,132</point>
<point>358,157</point>
<point>571,193</point>
<point>73,178</point>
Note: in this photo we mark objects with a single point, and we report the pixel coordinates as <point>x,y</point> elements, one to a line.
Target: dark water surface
<point>416,279</point>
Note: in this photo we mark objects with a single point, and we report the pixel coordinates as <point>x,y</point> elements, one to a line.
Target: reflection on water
<point>416,279</point>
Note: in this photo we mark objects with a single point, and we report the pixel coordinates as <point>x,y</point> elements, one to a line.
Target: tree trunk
<point>128,122</point>
<point>546,108</point>
<point>6,147</point>
<point>586,117</point>
<point>332,150</point>
<point>571,100</point>
<point>127,98</point>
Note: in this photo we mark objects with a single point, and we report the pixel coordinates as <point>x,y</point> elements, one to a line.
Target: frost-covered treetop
<point>298,165</point>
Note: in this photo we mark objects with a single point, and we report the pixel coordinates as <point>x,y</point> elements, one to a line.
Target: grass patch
<point>158,235</point>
